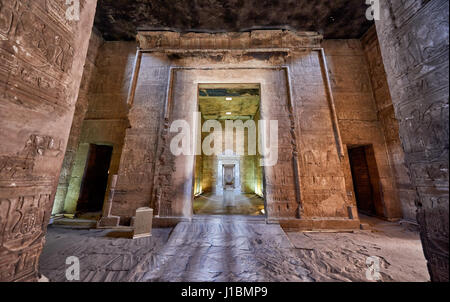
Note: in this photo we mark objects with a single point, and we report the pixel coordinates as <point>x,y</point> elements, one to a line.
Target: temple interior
<point>229,182</point>
<point>264,141</point>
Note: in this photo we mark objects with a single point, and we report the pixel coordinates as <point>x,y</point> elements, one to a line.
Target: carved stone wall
<point>414,40</point>
<point>105,119</point>
<point>135,181</point>
<point>41,64</point>
<point>357,114</point>
<point>306,189</point>
<point>322,180</point>
<point>173,189</point>
<point>389,124</point>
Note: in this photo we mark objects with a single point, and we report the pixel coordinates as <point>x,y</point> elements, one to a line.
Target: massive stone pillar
<point>81,109</point>
<point>414,43</point>
<point>42,54</point>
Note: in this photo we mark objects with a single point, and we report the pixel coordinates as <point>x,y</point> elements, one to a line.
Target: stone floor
<point>236,248</point>
<point>105,255</point>
<point>342,256</point>
<point>244,204</point>
<point>226,248</point>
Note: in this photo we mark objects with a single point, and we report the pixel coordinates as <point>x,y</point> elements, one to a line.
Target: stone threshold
<point>318,225</point>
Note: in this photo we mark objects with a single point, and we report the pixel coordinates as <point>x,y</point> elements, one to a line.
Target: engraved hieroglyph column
<point>413,38</point>
<point>42,55</point>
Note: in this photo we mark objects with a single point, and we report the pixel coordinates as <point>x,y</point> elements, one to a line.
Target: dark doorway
<point>366,181</point>
<point>95,179</point>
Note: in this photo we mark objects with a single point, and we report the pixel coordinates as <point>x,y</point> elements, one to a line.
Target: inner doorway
<point>366,181</point>
<point>230,183</point>
<point>95,179</point>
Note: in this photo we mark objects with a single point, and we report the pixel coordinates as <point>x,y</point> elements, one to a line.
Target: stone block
<point>107,222</point>
<point>353,212</point>
<point>142,223</point>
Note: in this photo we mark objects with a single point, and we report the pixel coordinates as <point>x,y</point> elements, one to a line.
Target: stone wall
<point>389,124</point>
<point>322,183</point>
<point>306,189</point>
<point>135,181</point>
<point>414,43</point>
<point>41,63</point>
<point>106,118</point>
<point>357,114</point>
<point>100,116</point>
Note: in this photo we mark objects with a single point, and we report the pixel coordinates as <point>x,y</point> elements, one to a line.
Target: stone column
<point>414,43</point>
<point>41,63</point>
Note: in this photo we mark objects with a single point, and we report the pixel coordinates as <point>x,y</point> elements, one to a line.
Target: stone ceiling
<point>229,101</point>
<point>337,19</point>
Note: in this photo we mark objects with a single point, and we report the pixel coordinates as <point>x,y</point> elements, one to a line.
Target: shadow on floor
<point>120,234</point>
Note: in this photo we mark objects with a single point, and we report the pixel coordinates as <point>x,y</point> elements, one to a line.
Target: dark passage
<point>95,179</point>
<point>366,181</point>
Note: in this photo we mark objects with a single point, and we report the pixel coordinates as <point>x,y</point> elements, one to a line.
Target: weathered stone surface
<point>308,163</point>
<point>414,43</point>
<point>170,189</point>
<point>223,249</point>
<point>142,223</point>
<point>103,117</point>
<point>105,255</point>
<point>41,63</point>
<point>81,108</point>
<point>358,115</point>
<point>342,256</point>
<point>256,39</point>
<point>389,124</point>
<point>128,100</point>
<point>226,248</point>
<point>336,19</point>
<point>233,249</point>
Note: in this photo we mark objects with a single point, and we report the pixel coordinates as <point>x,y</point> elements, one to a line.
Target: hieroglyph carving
<point>21,165</point>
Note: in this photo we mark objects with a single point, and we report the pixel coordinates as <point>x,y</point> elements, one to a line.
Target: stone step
<point>75,223</point>
<point>365,226</point>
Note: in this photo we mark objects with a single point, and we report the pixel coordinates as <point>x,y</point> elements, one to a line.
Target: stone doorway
<point>230,160</point>
<point>229,179</point>
<point>229,183</point>
<point>182,176</point>
<point>366,181</point>
<point>95,179</point>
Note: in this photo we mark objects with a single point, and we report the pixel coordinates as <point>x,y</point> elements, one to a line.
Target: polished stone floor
<point>225,248</point>
<point>236,248</point>
<point>242,204</point>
